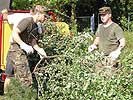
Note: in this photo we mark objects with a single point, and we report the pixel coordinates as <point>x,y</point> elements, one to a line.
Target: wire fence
<point>86,22</point>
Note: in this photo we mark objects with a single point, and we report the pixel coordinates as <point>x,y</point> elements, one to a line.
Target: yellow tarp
<point>6,31</point>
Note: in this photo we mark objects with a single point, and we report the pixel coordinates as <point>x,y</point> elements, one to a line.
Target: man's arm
<point>16,37</point>
<point>115,54</point>
<point>94,45</point>
<point>35,45</point>
<point>96,41</point>
<point>40,51</point>
<point>122,44</point>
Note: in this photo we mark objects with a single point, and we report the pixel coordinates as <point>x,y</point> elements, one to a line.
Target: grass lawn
<point>129,44</point>
<point>129,40</point>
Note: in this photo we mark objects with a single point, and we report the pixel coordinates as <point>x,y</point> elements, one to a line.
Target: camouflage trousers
<point>107,66</point>
<point>18,60</point>
<point>108,62</point>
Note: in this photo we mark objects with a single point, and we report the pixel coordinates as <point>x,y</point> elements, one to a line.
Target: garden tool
<point>40,75</point>
<point>44,57</point>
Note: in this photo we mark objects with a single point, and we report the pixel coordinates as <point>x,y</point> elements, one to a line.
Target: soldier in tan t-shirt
<point>24,42</point>
<point>109,36</point>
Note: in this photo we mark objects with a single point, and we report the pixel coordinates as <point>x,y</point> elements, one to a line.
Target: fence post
<point>128,22</point>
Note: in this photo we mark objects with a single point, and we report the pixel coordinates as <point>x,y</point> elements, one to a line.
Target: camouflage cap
<point>105,10</point>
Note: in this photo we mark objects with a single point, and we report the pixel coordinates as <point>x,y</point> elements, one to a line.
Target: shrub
<point>70,73</point>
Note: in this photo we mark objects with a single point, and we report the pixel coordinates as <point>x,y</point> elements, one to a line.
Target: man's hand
<point>115,54</point>
<point>92,47</point>
<point>27,48</point>
<point>42,53</point>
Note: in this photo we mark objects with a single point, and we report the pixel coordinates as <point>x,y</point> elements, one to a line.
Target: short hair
<point>38,9</point>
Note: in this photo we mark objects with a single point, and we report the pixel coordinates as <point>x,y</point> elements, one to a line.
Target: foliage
<point>71,74</point>
<point>17,91</point>
<point>124,23</point>
<point>21,5</point>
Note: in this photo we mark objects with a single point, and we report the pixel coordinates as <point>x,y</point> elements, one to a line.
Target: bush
<point>70,72</point>
<point>124,22</point>
<point>71,75</point>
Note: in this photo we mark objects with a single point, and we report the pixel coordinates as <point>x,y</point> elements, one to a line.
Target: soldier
<point>23,42</point>
<point>109,36</point>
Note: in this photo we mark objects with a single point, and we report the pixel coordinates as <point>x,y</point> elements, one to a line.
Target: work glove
<point>92,47</point>
<point>27,48</point>
<point>42,53</point>
<point>115,54</point>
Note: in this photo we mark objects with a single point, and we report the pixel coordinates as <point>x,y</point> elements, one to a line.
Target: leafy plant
<point>71,75</point>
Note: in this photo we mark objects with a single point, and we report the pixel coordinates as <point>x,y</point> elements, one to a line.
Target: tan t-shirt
<point>109,37</point>
<point>29,30</point>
